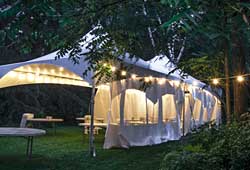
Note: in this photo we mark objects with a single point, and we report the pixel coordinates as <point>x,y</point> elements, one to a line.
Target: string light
<point>52,71</point>
<point>146,79</point>
<point>215,81</point>
<point>61,68</point>
<point>240,79</point>
<point>150,78</point>
<point>29,69</point>
<point>133,76</point>
<point>113,69</point>
<point>161,81</point>
<point>105,64</point>
<point>123,73</point>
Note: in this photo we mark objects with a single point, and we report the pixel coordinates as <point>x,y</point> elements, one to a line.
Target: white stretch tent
<point>136,116</point>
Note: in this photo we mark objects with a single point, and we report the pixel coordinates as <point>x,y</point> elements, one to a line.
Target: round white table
<point>29,133</point>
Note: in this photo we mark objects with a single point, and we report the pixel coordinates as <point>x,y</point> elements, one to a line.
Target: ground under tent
<point>146,107</point>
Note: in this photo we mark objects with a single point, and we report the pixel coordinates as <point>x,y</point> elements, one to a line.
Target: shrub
<point>224,148</point>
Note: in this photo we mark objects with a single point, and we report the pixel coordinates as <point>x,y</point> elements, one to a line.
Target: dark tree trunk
<point>227,90</point>
<point>240,88</point>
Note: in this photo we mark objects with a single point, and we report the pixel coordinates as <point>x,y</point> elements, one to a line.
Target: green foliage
<point>43,100</point>
<point>204,68</point>
<point>212,29</point>
<point>223,148</point>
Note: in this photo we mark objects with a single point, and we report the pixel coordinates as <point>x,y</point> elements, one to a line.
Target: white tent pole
<point>146,101</point>
<point>91,133</point>
<point>183,110</point>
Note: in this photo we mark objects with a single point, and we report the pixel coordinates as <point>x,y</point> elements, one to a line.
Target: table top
<point>10,131</point>
<point>82,118</point>
<point>44,120</point>
<point>95,124</point>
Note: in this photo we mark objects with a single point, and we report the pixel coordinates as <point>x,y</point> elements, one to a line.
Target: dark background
<point>59,101</point>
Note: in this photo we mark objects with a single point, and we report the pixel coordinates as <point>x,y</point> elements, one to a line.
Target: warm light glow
<point>46,79</point>
<point>21,76</point>
<point>123,73</point>
<point>146,79</point>
<point>29,69</point>
<point>20,68</point>
<point>39,79</point>
<point>195,83</point>
<point>52,71</point>
<point>150,78</point>
<point>61,68</point>
<point>177,83</point>
<point>113,69</point>
<point>31,77</point>
<point>66,75</point>
<point>45,71</point>
<point>215,81</point>
<point>37,74</point>
<point>13,74</point>
<point>161,81</point>
<point>105,64</point>
<point>133,76</point>
<point>240,78</point>
<point>55,80</point>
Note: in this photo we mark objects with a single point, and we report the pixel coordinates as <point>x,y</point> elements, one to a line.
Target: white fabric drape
<point>145,116</point>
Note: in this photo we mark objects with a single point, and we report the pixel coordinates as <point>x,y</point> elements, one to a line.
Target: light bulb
<point>146,79</point>
<point>113,69</point>
<point>61,68</point>
<point>133,76</point>
<point>240,78</point>
<point>123,73</point>
<point>215,81</point>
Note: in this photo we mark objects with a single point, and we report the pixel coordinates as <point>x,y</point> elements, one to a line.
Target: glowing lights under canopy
<point>113,68</point>
<point>133,76</point>
<point>123,73</point>
<point>41,73</point>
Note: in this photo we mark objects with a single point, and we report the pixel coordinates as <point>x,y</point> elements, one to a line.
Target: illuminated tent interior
<point>146,107</point>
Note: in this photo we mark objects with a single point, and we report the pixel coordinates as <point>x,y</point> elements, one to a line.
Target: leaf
<point>172,20</point>
<point>245,4</point>
<point>191,18</point>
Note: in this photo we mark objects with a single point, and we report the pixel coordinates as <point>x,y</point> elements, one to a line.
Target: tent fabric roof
<point>156,66</point>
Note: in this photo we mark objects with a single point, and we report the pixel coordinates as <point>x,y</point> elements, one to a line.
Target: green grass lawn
<point>68,151</point>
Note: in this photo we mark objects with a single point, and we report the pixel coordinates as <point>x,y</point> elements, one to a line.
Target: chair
<point>87,119</point>
<point>24,119</point>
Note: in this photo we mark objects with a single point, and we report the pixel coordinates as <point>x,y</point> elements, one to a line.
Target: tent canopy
<point>159,66</point>
<point>135,116</point>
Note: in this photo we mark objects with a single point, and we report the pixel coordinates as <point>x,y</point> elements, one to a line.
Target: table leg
<point>54,127</point>
<point>29,147</point>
